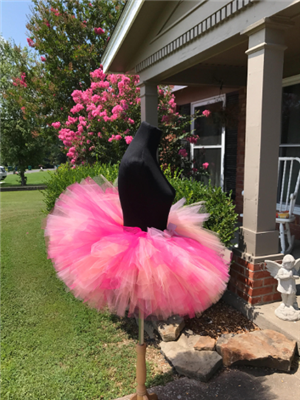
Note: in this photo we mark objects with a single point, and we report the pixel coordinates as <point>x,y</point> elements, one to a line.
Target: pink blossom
<point>165,118</point>
<point>206,113</point>
<point>30,42</point>
<point>73,161</point>
<point>194,169</point>
<point>183,153</point>
<point>47,24</point>
<point>117,110</point>
<point>161,92</point>
<point>88,141</point>
<point>56,125</point>
<point>205,165</point>
<point>118,137</point>
<point>172,103</point>
<point>113,79</point>
<point>98,31</point>
<point>128,139</point>
<point>90,133</point>
<point>193,139</point>
<point>99,134</point>
<point>23,109</point>
<point>77,108</point>
<point>43,59</point>
<point>61,108</point>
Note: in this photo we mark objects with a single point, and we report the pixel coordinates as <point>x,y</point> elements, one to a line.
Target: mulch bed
<point>220,319</point>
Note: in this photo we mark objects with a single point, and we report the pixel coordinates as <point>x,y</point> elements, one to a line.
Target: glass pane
<point>290,115</point>
<point>213,158</point>
<point>209,129</point>
<point>289,152</point>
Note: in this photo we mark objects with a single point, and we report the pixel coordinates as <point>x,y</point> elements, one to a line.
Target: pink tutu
<point>176,271</point>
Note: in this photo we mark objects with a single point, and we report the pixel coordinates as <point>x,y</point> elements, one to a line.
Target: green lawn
<point>34,178</point>
<point>53,346</point>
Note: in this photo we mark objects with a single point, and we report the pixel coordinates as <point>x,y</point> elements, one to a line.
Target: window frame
<point>290,81</point>
<point>204,102</point>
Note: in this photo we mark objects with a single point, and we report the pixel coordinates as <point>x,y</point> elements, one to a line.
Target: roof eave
<point>128,16</point>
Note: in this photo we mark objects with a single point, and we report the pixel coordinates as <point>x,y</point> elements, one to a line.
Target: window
<point>211,144</point>
<point>290,125</point>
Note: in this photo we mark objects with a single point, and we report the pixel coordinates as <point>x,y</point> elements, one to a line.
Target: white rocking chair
<point>284,215</point>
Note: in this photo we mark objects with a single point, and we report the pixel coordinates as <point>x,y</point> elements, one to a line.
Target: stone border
<point>218,17</point>
<point>22,188</point>
<point>263,316</point>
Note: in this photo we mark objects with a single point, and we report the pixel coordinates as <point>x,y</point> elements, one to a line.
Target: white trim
<point>204,102</point>
<point>291,80</point>
<point>128,16</point>
<point>178,19</point>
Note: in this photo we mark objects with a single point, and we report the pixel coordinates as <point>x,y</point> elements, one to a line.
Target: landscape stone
<point>170,329</point>
<point>265,348</point>
<point>189,362</point>
<point>205,343</point>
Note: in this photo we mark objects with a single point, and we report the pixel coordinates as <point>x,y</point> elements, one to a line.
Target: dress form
<point>146,198</point>
<point>145,194</point>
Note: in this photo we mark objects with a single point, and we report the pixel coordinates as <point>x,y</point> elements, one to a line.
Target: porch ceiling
<point>227,69</point>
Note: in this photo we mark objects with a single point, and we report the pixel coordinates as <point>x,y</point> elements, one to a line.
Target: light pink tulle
<point>177,271</point>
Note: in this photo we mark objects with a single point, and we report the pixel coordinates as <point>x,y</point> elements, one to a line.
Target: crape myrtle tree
<point>21,143</point>
<point>104,118</point>
<point>69,38</point>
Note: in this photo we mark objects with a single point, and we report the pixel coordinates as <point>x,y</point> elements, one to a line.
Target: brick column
<point>259,237</point>
<point>252,282</point>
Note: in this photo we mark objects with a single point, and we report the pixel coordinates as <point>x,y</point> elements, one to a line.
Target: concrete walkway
<point>234,384</point>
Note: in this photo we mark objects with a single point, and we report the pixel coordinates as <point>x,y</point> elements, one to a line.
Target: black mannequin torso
<point>145,194</point>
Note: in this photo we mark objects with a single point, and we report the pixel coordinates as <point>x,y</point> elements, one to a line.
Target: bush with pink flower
<point>106,116</point>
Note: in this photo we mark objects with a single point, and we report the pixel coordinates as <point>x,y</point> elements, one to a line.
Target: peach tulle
<point>176,271</point>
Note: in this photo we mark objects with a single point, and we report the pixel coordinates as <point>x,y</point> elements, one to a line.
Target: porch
<point>244,47</point>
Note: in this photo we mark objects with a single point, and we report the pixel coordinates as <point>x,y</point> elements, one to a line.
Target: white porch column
<point>263,127</point>
<point>149,103</point>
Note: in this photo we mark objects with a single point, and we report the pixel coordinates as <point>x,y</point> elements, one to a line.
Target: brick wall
<point>252,282</point>
<point>240,152</point>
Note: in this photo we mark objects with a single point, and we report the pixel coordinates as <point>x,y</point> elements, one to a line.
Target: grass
<point>53,346</point>
<point>33,178</point>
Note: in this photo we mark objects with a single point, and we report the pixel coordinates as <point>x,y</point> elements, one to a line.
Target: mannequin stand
<point>141,392</point>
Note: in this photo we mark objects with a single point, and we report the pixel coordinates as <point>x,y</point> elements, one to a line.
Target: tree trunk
<point>23,178</point>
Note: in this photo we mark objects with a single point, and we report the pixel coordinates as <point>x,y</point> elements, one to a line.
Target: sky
<point>13,20</point>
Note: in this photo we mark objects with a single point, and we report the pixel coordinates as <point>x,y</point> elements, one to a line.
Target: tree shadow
<point>226,385</point>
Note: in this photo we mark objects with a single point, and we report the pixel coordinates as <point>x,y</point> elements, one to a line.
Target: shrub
<point>65,175</point>
<point>218,204</point>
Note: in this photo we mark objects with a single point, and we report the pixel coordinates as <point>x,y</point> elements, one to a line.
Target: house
<point>241,58</point>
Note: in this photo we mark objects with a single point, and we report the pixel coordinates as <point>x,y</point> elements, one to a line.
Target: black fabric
<point>145,194</point>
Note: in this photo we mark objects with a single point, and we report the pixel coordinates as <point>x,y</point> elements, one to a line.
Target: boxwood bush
<point>218,204</point>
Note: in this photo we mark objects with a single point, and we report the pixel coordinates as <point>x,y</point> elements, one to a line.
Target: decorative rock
<point>205,343</point>
<point>264,348</point>
<point>189,362</point>
<point>170,329</point>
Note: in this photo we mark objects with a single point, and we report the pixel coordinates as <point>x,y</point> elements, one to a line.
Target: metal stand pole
<point>141,392</point>
<point>141,328</point>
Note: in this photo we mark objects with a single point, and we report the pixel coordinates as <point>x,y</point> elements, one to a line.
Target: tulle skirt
<point>176,271</point>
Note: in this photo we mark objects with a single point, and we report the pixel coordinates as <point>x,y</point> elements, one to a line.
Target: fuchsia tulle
<point>177,271</point>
